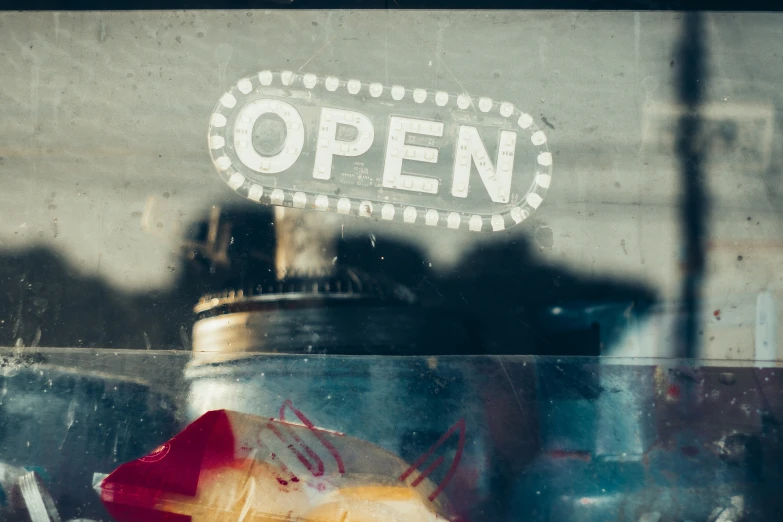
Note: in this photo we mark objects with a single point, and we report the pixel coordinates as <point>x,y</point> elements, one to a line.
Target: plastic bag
<point>228,466</point>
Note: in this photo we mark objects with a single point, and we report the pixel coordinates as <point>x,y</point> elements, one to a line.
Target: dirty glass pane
<point>536,438</point>
<point>551,239</point>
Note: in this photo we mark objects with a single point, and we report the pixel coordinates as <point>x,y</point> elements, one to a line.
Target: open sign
<point>408,155</point>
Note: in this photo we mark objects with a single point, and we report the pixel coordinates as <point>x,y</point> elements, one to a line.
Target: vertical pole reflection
<point>694,205</point>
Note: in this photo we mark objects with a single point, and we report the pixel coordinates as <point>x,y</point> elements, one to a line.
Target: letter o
<point>243,136</point>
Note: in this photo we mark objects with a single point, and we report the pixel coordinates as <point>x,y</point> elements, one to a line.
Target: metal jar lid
<point>346,314</point>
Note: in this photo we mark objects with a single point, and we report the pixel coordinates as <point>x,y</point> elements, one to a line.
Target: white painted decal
<point>397,151</point>
<point>329,145</point>
<point>496,177</point>
<point>385,152</point>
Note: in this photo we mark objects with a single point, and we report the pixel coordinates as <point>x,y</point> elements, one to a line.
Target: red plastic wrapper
<point>229,466</point>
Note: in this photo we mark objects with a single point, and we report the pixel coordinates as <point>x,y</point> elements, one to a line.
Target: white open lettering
<point>331,142</point>
<point>471,149</point>
<point>328,145</point>
<point>243,136</point>
<point>397,150</point>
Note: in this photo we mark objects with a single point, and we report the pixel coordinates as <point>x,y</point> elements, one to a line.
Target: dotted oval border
<point>217,136</point>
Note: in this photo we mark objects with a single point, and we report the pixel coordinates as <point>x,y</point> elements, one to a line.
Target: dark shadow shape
<point>506,300</point>
<point>46,302</point>
<point>230,248</point>
<point>522,306</point>
<point>691,83</point>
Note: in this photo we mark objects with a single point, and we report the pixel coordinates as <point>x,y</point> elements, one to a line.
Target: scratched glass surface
<point>106,168</point>
<point>482,437</point>
<point>478,213</point>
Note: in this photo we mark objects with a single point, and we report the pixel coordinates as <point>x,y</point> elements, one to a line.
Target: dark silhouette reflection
<point>230,248</point>
<point>524,306</point>
<point>44,301</point>
<point>505,300</point>
<point>510,302</point>
<point>694,205</point>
